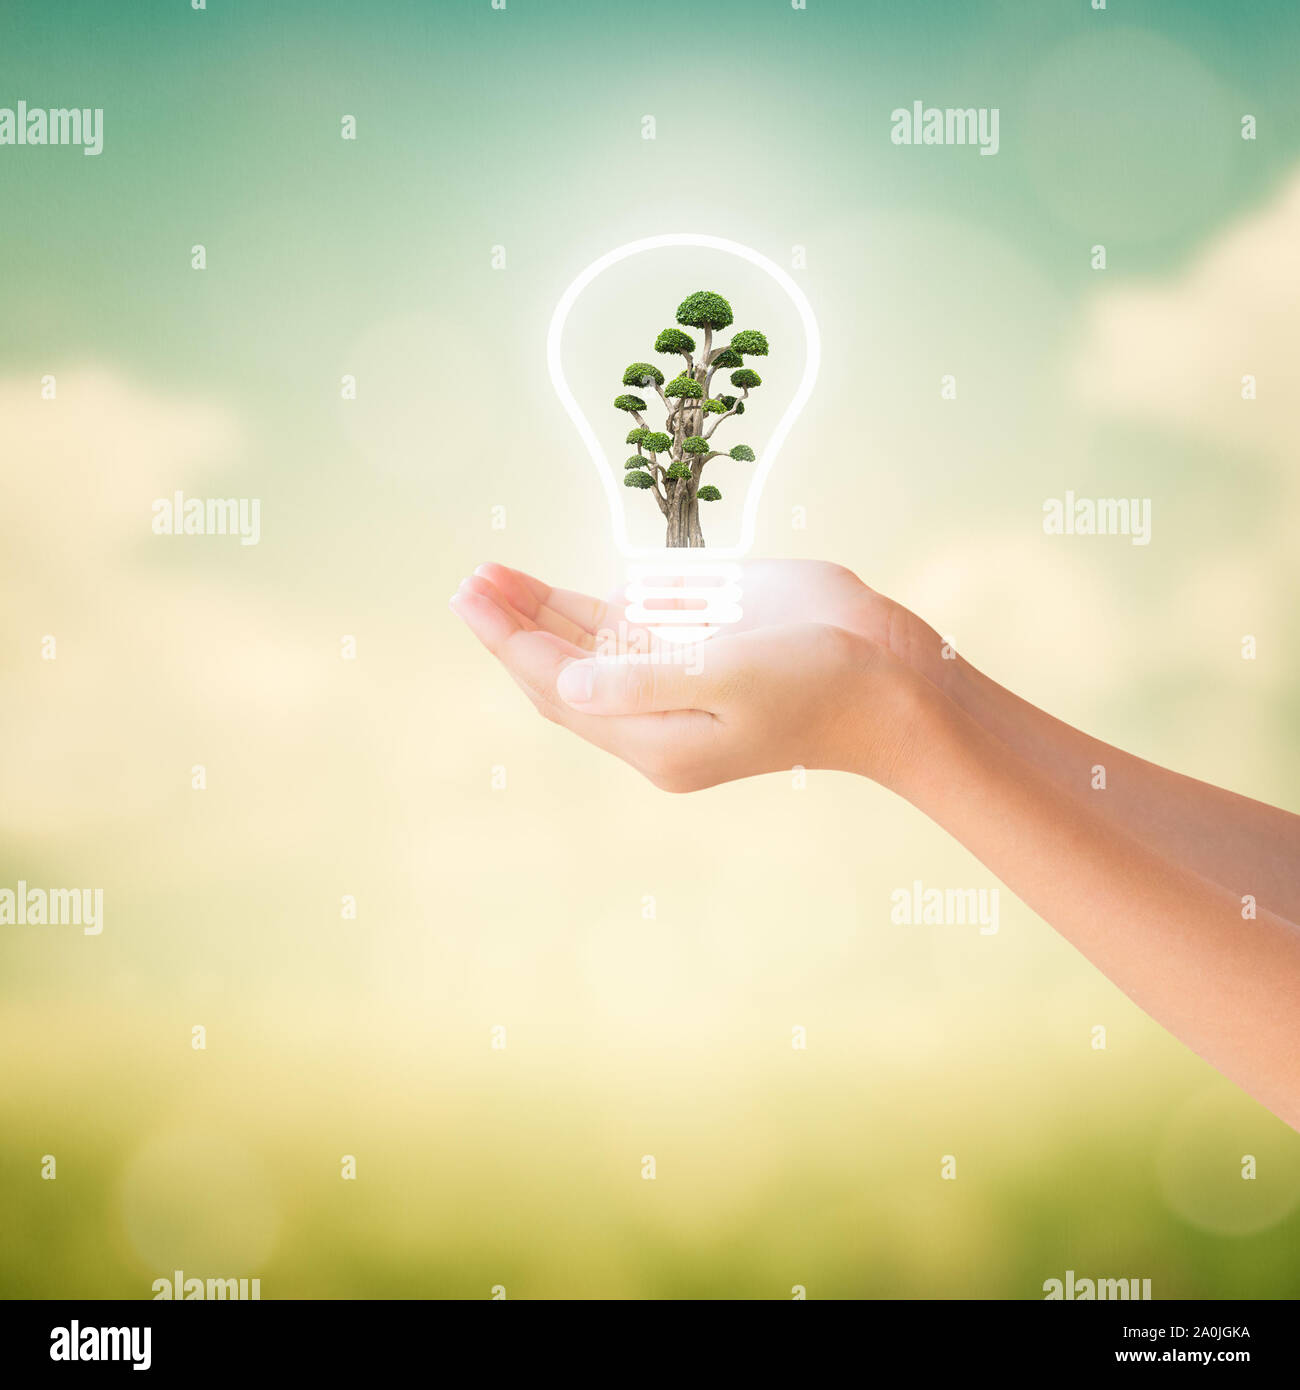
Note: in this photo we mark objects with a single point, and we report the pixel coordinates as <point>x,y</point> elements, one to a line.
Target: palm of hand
<point>765,694</point>
<point>811,591</point>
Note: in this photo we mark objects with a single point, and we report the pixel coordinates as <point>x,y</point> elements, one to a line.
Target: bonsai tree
<point>670,462</point>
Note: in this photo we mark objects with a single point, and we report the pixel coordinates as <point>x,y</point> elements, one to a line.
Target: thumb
<point>632,686</point>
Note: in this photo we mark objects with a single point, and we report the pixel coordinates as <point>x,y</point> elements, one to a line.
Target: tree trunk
<point>683,507</point>
<point>683,517</point>
<point>693,529</point>
<point>678,518</point>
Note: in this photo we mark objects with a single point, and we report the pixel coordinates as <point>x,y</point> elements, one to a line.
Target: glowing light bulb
<point>709,577</point>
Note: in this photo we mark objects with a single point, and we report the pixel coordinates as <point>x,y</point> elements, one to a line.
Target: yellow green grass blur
<point>649,958</point>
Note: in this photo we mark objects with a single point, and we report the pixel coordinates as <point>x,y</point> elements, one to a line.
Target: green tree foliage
<point>747,342</point>
<point>643,374</point>
<point>674,340</point>
<point>669,462</point>
<point>704,309</point>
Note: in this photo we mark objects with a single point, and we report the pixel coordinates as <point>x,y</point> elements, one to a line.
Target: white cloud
<point>1174,354</point>
<point>156,663</point>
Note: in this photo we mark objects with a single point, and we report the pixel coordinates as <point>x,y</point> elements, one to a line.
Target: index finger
<point>534,598</point>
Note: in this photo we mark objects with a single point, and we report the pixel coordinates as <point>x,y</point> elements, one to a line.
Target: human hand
<point>775,592</point>
<point>758,700</point>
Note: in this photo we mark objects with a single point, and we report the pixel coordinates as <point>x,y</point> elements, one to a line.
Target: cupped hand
<point>754,699</point>
<point>774,592</point>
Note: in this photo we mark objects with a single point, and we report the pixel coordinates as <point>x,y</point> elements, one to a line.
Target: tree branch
<point>675,428</point>
<point>721,418</point>
<point>710,360</point>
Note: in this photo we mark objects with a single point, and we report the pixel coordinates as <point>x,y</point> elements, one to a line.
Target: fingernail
<point>575,683</point>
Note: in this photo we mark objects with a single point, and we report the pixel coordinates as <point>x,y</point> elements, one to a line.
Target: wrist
<point>893,718</point>
<point>918,646</point>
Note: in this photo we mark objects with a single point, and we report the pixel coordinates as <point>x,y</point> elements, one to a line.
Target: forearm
<point>1172,940</point>
<point>1247,846</point>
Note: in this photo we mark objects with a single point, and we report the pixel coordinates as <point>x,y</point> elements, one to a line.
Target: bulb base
<point>710,593</point>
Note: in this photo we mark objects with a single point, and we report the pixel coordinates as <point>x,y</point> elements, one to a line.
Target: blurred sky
<point>523,907</point>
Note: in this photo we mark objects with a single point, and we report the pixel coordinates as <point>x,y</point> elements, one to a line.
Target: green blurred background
<point>523,906</point>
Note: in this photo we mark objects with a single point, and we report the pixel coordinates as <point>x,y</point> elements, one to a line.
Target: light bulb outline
<point>812,365</point>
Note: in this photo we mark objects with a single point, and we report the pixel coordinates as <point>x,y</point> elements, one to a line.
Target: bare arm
<point>1131,882</point>
<point>1247,846</point>
<point>1174,941</point>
